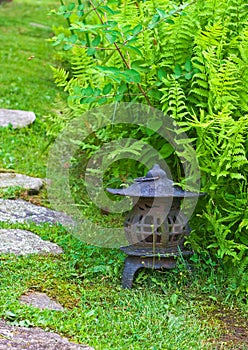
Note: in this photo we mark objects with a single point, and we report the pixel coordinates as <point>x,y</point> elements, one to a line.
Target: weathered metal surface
<point>156,227</point>
<point>156,223</point>
<point>155,184</point>
<point>137,251</point>
<point>134,263</point>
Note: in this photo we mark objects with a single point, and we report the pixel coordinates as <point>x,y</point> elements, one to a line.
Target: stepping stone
<point>22,242</point>
<point>41,301</point>
<point>20,338</point>
<point>39,25</point>
<point>32,184</point>
<point>18,119</point>
<point>22,211</point>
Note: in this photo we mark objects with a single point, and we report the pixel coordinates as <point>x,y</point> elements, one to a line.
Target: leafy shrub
<point>191,61</point>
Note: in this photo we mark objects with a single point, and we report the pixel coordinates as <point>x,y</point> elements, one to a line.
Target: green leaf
<point>166,150</point>
<point>102,100</point>
<point>122,88</point>
<point>118,97</point>
<point>97,92</point>
<point>188,65</point>
<point>111,38</point>
<point>80,7</point>
<point>154,21</point>
<point>107,88</point>
<point>137,30</point>
<point>162,13</point>
<point>59,39</point>
<point>174,299</point>
<point>113,2</point>
<point>62,9</point>
<point>10,315</point>
<point>170,21</point>
<point>71,6</point>
<point>67,14</point>
<point>115,73</point>
<point>244,239</point>
<point>140,65</point>
<point>77,90</point>
<point>96,41</point>
<point>177,71</point>
<point>134,48</point>
<point>91,51</point>
<point>132,76</point>
<point>73,38</point>
<point>67,47</point>
<point>87,100</point>
<point>127,29</point>
<point>155,94</point>
<point>161,73</point>
<point>188,76</point>
<point>111,24</point>
<point>87,91</point>
<point>109,10</point>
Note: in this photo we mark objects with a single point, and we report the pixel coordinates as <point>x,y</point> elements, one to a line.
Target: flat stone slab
<point>41,301</point>
<point>18,119</point>
<point>21,211</point>
<point>32,184</point>
<point>22,242</point>
<point>22,338</point>
<point>39,25</point>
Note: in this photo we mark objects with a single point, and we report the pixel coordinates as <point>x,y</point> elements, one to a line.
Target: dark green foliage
<point>191,61</point>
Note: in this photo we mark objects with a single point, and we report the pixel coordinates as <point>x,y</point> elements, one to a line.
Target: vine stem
<point>67,19</point>
<point>122,56</point>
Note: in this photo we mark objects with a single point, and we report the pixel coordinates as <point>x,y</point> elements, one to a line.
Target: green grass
<point>26,81</point>
<point>166,309</point>
<point>25,56</point>
<point>158,313</point>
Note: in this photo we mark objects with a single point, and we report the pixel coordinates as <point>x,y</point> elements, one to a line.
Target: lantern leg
<point>132,264</point>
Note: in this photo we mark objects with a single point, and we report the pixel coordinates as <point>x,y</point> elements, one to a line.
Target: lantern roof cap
<point>155,184</point>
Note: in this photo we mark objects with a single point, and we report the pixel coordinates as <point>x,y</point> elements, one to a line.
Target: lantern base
<point>144,257</point>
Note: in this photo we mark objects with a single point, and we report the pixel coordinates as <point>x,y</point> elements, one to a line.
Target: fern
<point>242,62</point>
<point>174,101</point>
<point>60,76</point>
<point>191,65</point>
<point>210,11</point>
<point>236,16</point>
<point>210,36</point>
<point>224,81</point>
<point>199,92</point>
<point>223,140</point>
<point>178,42</point>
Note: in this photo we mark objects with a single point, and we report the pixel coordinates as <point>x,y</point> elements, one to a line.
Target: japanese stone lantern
<point>155,228</point>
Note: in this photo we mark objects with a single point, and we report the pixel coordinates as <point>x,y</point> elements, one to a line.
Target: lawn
<point>26,82</point>
<point>181,309</point>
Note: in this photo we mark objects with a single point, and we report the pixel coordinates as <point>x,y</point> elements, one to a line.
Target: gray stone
<point>18,119</point>
<point>41,301</point>
<point>39,25</point>
<point>22,211</point>
<point>22,242</point>
<point>32,184</point>
<point>22,338</point>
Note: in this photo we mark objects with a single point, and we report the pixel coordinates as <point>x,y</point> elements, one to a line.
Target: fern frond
<point>60,76</point>
<point>174,101</point>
